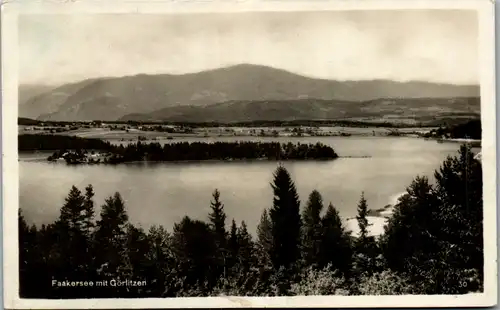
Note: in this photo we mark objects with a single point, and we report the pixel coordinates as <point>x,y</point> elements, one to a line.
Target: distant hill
<point>48,101</point>
<point>423,109</point>
<point>23,121</point>
<point>113,98</point>
<point>28,91</point>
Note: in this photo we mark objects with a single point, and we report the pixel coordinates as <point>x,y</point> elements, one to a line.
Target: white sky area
<point>435,46</point>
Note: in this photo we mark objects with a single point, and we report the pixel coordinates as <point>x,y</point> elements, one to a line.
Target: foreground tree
<point>111,238</point>
<point>335,248</point>
<point>435,234</point>
<point>194,248</point>
<point>73,250</point>
<point>164,280</point>
<point>285,219</point>
<point>365,245</point>
<point>73,213</point>
<point>246,253</point>
<point>217,218</point>
<point>233,247</point>
<point>362,220</point>
<point>460,190</point>
<point>137,248</point>
<point>312,228</point>
<point>30,268</point>
<point>264,239</point>
<point>88,224</point>
<point>412,229</point>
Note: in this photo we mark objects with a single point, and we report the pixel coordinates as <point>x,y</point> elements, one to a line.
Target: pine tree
<point>366,247</point>
<point>285,219</point>
<point>195,249</point>
<point>460,189</point>
<point>233,247</point>
<point>111,237</point>
<point>160,259</point>
<point>88,211</point>
<point>72,230</point>
<point>435,234</point>
<point>312,228</point>
<point>335,247</point>
<point>25,257</point>
<point>412,228</point>
<point>217,219</point>
<point>361,217</point>
<point>245,247</point>
<point>73,211</point>
<point>137,248</point>
<point>264,237</point>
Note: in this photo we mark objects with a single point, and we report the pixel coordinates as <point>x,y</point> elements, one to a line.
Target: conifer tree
<point>361,218</point>
<point>195,250</point>
<point>88,211</point>
<point>74,246</point>
<point>233,247</point>
<point>160,259</point>
<point>460,189</point>
<point>233,236</point>
<point>335,247</point>
<point>137,248</point>
<point>243,275</point>
<point>435,234</point>
<point>412,227</point>
<point>245,247</point>
<point>285,219</point>
<point>366,247</point>
<point>73,211</point>
<point>217,219</point>
<point>264,237</point>
<point>111,236</point>
<point>25,260</point>
<point>312,228</point>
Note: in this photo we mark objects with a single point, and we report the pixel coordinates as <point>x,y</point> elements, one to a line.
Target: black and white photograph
<point>259,154</point>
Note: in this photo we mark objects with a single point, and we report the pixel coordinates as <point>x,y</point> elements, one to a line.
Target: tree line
<point>257,123</point>
<point>468,130</point>
<point>432,244</point>
<point>43,142</point>
<point>178,151</point>
<point>220,151</point>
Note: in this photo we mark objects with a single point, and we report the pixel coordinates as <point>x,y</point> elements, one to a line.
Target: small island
<point>75,150</point>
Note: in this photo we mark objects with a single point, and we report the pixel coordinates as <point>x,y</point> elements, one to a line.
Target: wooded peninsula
<point>75,150</point>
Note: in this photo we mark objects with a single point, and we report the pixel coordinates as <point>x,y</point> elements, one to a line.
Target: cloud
<point>350,45</point>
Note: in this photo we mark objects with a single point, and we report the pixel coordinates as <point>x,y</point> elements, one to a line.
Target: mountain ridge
<point>111,98</point>
<point>421,109</point>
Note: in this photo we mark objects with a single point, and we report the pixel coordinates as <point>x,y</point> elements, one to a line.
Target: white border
<point>10,184</point>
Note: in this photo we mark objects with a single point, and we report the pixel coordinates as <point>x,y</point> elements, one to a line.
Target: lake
<point>162,193</point>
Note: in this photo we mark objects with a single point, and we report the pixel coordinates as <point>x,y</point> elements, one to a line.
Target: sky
<point>425,45</point>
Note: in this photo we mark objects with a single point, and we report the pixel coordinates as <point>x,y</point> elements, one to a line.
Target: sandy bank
<point>376,220</point>
<point>376,227</point>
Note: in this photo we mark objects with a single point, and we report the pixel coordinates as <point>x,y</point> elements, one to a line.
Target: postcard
<point>227,154</point>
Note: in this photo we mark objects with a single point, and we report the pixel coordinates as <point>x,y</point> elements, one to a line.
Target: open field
<point>134,134</point>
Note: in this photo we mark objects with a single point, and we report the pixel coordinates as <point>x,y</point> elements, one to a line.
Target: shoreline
<point>377,218</point>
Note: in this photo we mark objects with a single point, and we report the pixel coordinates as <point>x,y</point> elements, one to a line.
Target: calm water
<point>164,193</point>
